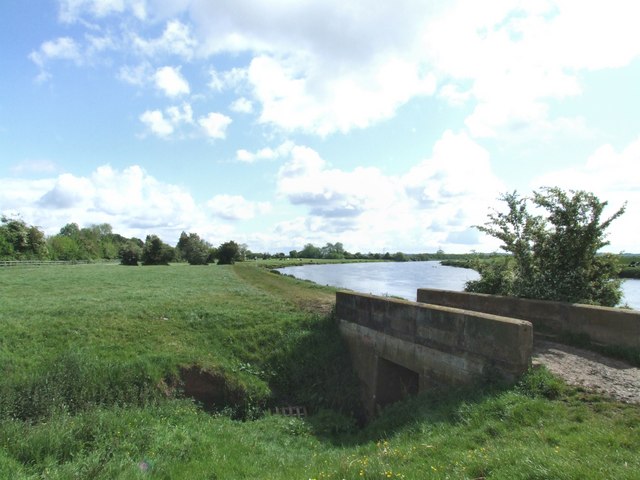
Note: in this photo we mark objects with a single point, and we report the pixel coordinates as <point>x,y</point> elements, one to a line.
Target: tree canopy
<point>193,249</point>
<point>156,252</point>
<point>21,241</point>
<point>228,253</point>
<point>554,256</point>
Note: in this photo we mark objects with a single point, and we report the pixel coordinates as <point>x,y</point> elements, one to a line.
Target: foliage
<point>193,249</point>
<point>329,251</point>
<point>156,252</point>
<point>21,241</point>
<point>228,253</point>
<point>629,266</point>
<point>130,253</point>
<point>90,243</point>
<point>553,257</point>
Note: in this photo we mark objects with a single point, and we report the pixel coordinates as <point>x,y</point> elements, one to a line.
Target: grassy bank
<point>93,359</point>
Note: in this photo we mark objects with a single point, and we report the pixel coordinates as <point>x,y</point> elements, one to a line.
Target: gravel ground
<point>590,370</point>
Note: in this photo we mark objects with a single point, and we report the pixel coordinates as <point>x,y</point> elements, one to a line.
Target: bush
<point>228,253</point>
<point>156,252</point>
<point>130,254</point>
<point>554,257</point>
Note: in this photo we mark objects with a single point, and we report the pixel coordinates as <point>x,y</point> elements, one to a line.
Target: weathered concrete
<point>400,347</point>
<point>608,326</point>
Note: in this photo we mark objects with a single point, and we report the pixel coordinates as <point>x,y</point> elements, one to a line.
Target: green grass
<point>90,357</point>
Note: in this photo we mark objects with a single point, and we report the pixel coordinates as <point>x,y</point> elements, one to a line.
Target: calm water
<point>403,279</point>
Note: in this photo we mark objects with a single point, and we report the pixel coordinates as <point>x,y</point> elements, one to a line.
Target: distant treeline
<point>20,241</point>
<point>336,251</point>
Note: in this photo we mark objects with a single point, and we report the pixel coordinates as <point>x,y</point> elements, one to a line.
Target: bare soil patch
<point>592,371</point>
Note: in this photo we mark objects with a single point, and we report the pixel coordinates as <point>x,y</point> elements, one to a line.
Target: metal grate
<point>299,412</point>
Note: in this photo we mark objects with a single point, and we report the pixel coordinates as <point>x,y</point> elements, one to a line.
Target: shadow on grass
<point>313,369</point>
<point>462,405</point>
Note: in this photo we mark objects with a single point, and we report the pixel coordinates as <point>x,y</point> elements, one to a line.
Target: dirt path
<point>595,372</point>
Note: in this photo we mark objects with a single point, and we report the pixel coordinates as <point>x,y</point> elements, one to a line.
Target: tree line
<point>20,241</point>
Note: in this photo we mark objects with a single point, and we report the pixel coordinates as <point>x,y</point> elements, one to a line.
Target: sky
<point>392,126</point>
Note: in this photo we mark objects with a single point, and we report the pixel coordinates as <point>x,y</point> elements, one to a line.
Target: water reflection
<point>404,278</point>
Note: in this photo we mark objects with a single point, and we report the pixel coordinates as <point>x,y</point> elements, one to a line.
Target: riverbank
<point>96,360</point>
<point>629,267</point>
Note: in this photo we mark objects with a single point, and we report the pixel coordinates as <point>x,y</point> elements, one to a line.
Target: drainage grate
<point>291,411</point>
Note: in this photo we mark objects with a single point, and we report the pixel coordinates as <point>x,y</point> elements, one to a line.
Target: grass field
<point>93,359</point>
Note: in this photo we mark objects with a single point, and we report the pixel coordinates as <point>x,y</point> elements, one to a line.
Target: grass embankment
<point>91,358</point>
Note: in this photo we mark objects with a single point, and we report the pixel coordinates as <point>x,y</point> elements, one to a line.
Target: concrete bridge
<point>400,348</point>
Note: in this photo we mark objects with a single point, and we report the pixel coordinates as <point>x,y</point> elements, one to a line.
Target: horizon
<point>392,128</point>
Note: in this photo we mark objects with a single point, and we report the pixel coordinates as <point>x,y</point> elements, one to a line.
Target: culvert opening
<point>394,383</point>
<point>211,390</point>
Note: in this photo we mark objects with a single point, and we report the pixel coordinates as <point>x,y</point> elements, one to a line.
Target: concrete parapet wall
<point>389,339</point>
<point>609,326</point>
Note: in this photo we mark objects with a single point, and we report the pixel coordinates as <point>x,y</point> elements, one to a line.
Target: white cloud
<point>132,201</point>
<point>241,105</point>
<point>236,207</point>
<point>432,205</point>
<point>18,193</point>
<point>612,175</point>
<point>71,11</point>
<point>265,153</point>
<point>458,168</point>
<point>353,69</point>
<point>157,123</point>
<point>182,114</point>
<point>138,75</point>
<point>234,79</point>
<point>294,100</point>
<point>171,81</point>
<point>71,50</point>
<point>176,39</point>
<point>348,71</point>
<point>69,191</point>
<point>517,56</point>
<point>63,48</point>
<point>215,125</point>
<point>164,124</point>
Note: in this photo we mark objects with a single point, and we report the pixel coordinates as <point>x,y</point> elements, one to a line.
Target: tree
<point>228,253</point>
<point>21,241</point>
<point>64,248</point>
<point>310,251</point>
<point>156,252</point>
<point>193,249</point>
<point>333,250</point>
<point>130,253</point>
<point>553,257</point>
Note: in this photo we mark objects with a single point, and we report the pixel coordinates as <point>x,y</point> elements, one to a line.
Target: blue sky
<point>276,124</point>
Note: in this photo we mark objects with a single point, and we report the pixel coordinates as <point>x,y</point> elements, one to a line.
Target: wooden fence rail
<point>32,263</point>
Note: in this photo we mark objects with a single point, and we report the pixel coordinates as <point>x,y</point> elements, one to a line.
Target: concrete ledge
<point>442,345</point>
<point>609,326</point>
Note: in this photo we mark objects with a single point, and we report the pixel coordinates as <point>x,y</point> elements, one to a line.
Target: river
<point>402,279</point>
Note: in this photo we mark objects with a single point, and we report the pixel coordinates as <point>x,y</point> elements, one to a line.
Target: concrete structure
<point>400,348</point>
<point>607,326</point>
